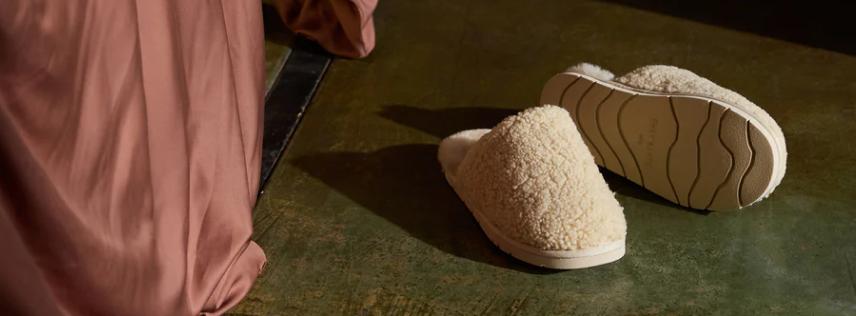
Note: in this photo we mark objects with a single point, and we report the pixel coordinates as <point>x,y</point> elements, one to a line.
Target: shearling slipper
<point>534,188</point>
<point>675,133</point>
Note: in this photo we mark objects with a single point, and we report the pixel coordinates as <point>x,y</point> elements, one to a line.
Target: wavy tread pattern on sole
<point>694,152</point>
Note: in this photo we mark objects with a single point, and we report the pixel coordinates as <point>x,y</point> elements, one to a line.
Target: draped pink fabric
<point>130,135</point>
<point>342,27</point>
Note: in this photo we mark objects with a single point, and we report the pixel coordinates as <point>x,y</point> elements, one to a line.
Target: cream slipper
<point>534,188</point>
<point>675,133</point>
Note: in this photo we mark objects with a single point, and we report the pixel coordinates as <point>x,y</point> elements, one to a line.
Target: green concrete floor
<point>357,218</point>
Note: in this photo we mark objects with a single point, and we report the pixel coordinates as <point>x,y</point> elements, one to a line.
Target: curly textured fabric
<point>130,135</point>
<point>534,178</point>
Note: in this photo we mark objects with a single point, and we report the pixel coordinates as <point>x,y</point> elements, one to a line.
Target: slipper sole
<point>695,151</point>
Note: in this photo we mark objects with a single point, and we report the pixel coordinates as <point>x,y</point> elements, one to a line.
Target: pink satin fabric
<point>342,27</point>
<point>130,135</point>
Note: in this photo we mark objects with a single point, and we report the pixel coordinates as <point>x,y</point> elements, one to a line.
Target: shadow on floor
<point>404,185</point>
<point>445,122</point>
<point>825,24</point>
<point>623,186</point>
<point>275,30</point>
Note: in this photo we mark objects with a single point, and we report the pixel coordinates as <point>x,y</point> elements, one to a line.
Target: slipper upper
<point>534,179</point>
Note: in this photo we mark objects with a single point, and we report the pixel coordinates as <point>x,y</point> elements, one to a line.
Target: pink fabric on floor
<point>130,136</point>
<point>342,27</point>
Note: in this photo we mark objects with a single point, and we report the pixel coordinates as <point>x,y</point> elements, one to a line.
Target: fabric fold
<point>130,144</point>
<point>342,27</point>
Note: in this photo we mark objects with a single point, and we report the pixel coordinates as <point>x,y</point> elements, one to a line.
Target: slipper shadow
<point>404,185</point>
<point>623,186</point>
<point>445,122</point>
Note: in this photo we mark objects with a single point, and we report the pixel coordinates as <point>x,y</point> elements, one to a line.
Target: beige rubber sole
<point>553,259</point>
<point>694,151</point>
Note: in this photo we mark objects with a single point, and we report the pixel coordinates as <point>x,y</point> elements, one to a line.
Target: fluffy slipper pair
<point>533,185</point>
